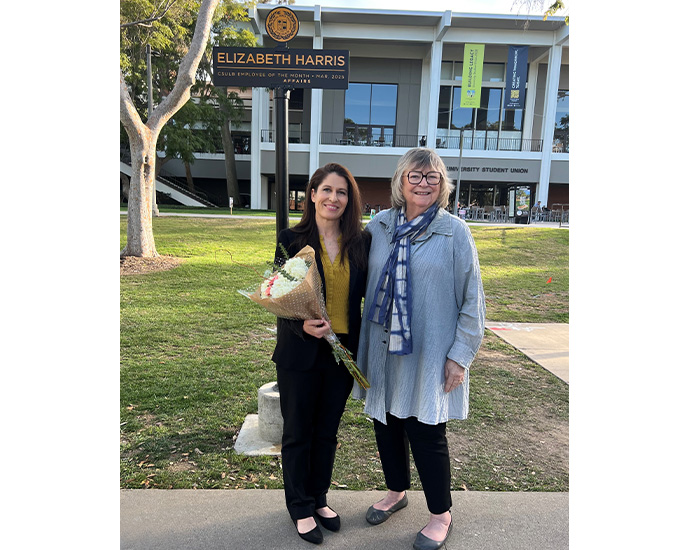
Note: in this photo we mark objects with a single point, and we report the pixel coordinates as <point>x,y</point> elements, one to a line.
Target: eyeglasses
<point>433,178</point>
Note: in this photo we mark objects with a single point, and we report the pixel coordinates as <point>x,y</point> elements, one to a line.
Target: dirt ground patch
<point>523,443</point>
<point>132,265</point>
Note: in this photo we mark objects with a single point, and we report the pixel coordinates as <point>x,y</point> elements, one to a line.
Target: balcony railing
<point>268,136</point>
<point>412,140</point>
<point>490,143</point>
<point>396,140</point>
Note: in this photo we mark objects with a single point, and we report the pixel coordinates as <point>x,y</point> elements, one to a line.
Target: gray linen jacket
<point>448,320</point>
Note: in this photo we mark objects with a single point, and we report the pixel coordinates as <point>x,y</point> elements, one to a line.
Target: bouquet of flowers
<point>294,291</point>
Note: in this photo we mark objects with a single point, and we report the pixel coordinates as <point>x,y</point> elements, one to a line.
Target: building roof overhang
<point>416,18</point>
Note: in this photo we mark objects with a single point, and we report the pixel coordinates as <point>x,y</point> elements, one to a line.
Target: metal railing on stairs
<point>170,182</point>
<point>196,195</point>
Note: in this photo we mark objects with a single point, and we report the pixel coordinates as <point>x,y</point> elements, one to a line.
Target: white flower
<point>282,286</point>
<point>296,267</point>
<point>279,285</point>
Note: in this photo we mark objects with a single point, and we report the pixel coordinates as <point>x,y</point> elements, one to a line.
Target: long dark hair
<point>349,224</point>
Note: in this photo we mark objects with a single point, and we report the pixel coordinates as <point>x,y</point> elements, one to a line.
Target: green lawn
<point>194,353</point>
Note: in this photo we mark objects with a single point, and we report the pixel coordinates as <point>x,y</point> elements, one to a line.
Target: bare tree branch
<point>153,17</point>
<point>187,69</point>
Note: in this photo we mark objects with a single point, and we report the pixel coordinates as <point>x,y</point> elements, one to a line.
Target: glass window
<point>357,103</point>
<point>371,104</point>
<point>446,70</point>
<point>561,123</point>
<point>512,119</point>
<point>487,117</point>
<point>484,122</point>
<point>444,107</point>
<point>458,70</point>
<point>461,117</point>
<point>493,72</point>
<point>562,117</point>
<point>296,99</point>
<point>383,104</point>
<point>370,113</point>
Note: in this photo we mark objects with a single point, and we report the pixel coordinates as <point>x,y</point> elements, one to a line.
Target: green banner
<point>472,76</point>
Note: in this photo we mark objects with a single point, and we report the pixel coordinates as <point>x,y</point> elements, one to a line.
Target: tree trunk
<point>143,138</point>
<point>230,165</point>
<point>140,241</point>
<point>189,177</point>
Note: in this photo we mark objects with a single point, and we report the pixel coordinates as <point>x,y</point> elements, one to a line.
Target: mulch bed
<point>132,265</point>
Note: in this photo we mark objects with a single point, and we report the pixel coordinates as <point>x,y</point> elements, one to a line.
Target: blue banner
<point>516,75</point>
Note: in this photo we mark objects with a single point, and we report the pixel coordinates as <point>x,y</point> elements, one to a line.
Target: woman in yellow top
<point>313,387</point>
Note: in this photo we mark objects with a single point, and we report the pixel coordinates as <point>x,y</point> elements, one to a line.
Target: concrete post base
<point>270,420</point>
<point>261,434</point>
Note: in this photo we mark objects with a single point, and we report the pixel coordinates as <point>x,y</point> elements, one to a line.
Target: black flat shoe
<point>376,517</point>
<point>331,524</point>
<point>424,543</point>
<point>314,535</point>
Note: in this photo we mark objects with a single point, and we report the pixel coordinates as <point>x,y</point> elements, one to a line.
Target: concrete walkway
<point>256,519</point>
<point>545,343</point>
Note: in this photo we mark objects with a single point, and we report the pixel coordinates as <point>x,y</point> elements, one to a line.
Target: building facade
<point>405,73</point>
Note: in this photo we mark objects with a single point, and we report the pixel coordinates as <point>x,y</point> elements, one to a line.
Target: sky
<point>460,6</point>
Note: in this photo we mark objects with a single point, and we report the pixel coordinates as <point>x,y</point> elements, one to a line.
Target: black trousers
<point>430,454</point>
<point>312,404</point>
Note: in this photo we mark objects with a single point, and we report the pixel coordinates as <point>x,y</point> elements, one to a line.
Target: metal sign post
<point>281,103</point>
<point>281,70</point>
<point>458,176</point>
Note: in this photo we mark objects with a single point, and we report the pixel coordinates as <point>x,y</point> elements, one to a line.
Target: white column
<point>548,119</point>
<point>425,80</point>
<point>529,117</point>
<point>430,81</point>
<point>316,115</point>
<point>433,98</point>
<point>258,115</point>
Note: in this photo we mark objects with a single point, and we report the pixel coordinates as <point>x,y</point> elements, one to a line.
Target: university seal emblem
<point>281,24</point>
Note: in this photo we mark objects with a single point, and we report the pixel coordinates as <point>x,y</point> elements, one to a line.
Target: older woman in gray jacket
<point>423,322</point>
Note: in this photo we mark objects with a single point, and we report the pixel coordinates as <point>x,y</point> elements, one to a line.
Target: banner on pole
<point>516,75</point>
<point>472,75</point>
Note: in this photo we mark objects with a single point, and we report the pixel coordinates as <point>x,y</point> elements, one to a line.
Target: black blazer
<point>297,350</point>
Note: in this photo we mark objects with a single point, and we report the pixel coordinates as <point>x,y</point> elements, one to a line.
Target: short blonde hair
<point>420,158</point>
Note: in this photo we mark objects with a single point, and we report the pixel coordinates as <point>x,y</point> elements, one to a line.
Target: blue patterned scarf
<point>393,292</point>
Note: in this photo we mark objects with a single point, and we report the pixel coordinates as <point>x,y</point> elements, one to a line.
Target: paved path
<point>256,519</point>
<point>545,343</point>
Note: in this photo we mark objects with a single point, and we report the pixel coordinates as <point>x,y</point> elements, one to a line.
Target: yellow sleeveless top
<point>337,284</point>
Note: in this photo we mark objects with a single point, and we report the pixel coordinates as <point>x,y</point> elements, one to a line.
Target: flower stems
<point>344,355</point>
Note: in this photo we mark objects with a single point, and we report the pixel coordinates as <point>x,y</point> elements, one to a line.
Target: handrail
<point>185,191</point>
<point>490,143</point>
<point>268,136</point>
<point>125,157</point>
<point>447,142</point>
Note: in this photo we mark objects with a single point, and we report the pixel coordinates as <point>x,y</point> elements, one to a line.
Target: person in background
<point>537,211</point>
<point>313,387</point>
<point>423,323</point>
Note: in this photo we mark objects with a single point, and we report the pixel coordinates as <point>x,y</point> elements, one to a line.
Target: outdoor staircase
<point>175,191</point>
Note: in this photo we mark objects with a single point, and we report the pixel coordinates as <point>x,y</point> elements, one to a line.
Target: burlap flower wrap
<point>306,301</point>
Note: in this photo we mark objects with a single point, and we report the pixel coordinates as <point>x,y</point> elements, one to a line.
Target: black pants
<point>430,454</point>
<point>312,404</point>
